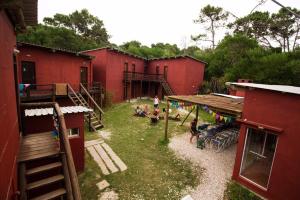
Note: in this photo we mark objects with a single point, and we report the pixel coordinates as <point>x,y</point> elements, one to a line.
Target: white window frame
<point>261,155</point>
<point>73,135</point>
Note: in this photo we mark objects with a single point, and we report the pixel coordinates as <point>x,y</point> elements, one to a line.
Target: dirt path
<point>218,167</point>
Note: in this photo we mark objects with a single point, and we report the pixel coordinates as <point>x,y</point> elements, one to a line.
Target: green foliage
<point>281,28</point>
<point>56,37</point>
<point>236,192</point>
<point>155,51</point>
<point>78,31</point>
<point>154,171</point>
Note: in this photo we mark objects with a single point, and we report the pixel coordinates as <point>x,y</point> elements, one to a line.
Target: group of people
<point>143,111</point>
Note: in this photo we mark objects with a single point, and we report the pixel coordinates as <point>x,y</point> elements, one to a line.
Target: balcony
<point>29,92</point>
<point>136,76</point>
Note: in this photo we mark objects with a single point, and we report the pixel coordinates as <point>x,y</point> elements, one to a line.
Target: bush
<point>234,191</point>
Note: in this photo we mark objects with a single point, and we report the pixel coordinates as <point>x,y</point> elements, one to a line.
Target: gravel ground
<point>218,167</point>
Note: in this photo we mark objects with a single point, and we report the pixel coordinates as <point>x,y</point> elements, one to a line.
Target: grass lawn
<point>153,171</point>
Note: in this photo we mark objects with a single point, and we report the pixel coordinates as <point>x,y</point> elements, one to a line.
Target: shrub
<point>234,191</point>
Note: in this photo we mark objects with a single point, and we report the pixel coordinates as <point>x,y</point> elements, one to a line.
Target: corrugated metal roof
<point>228,96</point>
<point>53,49</point>
<point>49,111</point>
<point>278,88</point>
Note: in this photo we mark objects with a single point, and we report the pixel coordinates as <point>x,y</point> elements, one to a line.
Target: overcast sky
<point>152,21</point>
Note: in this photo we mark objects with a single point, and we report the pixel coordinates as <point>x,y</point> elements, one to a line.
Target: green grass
<point>153,171</point>
<point>235,191</point>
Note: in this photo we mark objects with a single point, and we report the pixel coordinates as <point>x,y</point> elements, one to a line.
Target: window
<point>73,132</point>
<point>258,156</point>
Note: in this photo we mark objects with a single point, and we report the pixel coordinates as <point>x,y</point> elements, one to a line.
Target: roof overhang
<point>22,13</point>
<point>218,103</point>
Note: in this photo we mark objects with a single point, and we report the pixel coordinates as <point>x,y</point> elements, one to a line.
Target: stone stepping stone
<point>106,158</point>
<point>111,195</point>
<point>120,164</point>
<point>102,185</point>
<point>98,160</point>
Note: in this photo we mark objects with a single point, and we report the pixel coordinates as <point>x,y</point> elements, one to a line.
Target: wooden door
<point>84,75</point>
<point>28,72</point>
<point>165,72</point>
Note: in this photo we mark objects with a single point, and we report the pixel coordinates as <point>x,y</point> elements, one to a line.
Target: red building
<point>267,160</point>
<point>40,65</point>
<point>127,76</point>
<point>11,19</point>
<point>74,117</point>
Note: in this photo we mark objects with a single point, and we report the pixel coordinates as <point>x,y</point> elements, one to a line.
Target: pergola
<point>224,104</point>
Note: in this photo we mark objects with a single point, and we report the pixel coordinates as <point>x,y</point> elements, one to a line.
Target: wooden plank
<point>28,149</point>
<point>40,151</point>
<point>45,181</point>
<point>43,168</point>
<point>106,158</point>
<point>114,157</point>
<point>98,160</point>
<point>37,134</point>
<point>37,156</point>
<point>93,142</point>
<point>51,195</point>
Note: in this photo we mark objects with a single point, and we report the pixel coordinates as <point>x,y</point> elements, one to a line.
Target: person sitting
<point>146,110</point>
<point>139,111</point>
<point>194,131</point>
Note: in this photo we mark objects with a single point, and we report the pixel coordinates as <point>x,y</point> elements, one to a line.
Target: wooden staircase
<point>46,167</point>
<point>166,87</point>
<point>93,120</point>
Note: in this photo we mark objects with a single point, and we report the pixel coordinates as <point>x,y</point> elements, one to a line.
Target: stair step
<point>98,126</point>
<point>51,195</point>
<point>45,181</point>
<point>43,168</point>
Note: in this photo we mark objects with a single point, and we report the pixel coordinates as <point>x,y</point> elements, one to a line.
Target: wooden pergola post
<point>167,119</point>
<point>197,113</point>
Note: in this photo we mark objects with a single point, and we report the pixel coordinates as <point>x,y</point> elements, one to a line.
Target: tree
<point>83,24</point>
<point>214,17</point>
<point>281,28</point>
<point>255,25</point>
<point>284,27</point>
<point>56,37</point>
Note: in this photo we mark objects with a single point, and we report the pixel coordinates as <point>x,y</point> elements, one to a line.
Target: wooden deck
<point>36,146</point>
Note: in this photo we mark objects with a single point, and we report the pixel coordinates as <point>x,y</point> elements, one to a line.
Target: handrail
<point>63,136</point>
<point>88,94</point>
<point>70,88</point>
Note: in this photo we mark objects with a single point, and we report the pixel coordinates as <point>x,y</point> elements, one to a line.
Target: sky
<point>166,21</point>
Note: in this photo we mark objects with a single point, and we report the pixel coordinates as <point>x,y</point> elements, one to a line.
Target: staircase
<point>46,167</point>
<point>93,120</point>
<point>167,87</point>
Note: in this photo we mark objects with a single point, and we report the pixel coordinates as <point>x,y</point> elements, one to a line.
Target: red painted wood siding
<point>55,67</point>
<point>9,128</point>
<point>184,74</point>
<point>278,110</point>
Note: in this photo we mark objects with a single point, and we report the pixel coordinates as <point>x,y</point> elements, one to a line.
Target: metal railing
<point>65,148</point>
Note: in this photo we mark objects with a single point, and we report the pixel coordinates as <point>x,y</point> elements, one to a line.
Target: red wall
<point>279,110</point>
<point>185,75</point>
<point>9,130</point>
<point>99,65</point>
<point>115,75</point>
<point>45,123</point>
<point>54,67</point>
